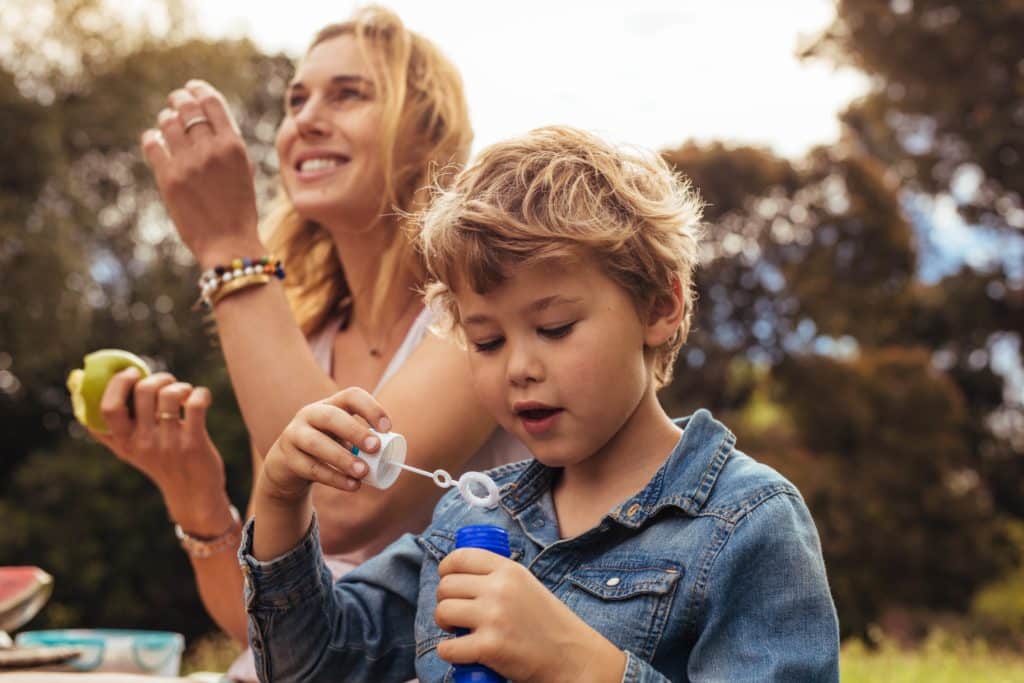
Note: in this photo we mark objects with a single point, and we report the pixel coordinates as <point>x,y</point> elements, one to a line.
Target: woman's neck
<point>361,252</point>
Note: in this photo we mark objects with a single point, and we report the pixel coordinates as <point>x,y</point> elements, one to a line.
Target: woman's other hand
<point>164,436</point>
<point>204,175</point>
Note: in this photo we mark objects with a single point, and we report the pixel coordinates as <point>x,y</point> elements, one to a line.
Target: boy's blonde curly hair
<point>559,193</point>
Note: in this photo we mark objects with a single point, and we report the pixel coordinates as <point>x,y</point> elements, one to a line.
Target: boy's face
<point>557,356</point>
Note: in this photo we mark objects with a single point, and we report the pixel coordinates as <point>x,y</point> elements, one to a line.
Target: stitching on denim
<point>632,672</point>
<point>735,512</point>
<point>430,643</point>
<point>698,596</point>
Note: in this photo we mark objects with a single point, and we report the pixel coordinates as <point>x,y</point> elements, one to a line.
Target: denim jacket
<point>712,572</point>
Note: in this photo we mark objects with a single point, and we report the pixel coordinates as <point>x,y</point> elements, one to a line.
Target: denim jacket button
<point>633,509</point>
<point>614,581</point>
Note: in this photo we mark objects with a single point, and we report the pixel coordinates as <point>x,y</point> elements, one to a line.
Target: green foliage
<point>88,260</point>
<point>879,395</point>
<point>947,99</point>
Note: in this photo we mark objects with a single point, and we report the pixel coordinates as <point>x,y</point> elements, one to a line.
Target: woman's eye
<point>350,94</point>
<point>557,332</point>
<point>489,345</point>
<point>295,101</point>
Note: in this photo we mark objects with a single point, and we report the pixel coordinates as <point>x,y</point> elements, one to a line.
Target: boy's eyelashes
<point>556,332</point>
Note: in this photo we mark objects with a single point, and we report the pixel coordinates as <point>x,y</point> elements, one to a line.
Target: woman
<point>373,117</point>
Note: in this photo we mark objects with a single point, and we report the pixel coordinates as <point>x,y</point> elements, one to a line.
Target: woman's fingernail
<point>359,468</point>
<point>370,442</point>
<point>384,425</point>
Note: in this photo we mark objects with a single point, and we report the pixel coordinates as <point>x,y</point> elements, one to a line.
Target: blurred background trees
<point>877,368</point>
<point>836,332</point>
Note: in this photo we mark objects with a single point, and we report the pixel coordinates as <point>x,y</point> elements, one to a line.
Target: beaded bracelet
<point>220,281</point>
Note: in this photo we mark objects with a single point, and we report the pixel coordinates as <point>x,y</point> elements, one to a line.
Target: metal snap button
<point>614,581</point>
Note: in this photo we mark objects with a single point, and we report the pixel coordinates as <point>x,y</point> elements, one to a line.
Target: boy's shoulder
<point>720,479</point>
<point>743,484</point>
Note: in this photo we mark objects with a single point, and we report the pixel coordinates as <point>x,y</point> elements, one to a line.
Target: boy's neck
<point>623,466</point>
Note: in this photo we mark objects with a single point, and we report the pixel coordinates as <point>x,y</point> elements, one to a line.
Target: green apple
<point>87,384</point>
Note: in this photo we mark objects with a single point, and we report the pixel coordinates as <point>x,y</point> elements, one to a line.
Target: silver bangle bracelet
<point>202,548</point>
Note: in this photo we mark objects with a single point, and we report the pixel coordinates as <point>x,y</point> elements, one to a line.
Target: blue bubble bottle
<point>495,539</point>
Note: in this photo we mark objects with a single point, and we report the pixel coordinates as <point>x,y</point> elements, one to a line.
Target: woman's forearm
<point>219,579</point>
<point>273,371</point>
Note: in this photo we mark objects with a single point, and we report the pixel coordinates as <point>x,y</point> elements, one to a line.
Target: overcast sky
<point>648,72</point>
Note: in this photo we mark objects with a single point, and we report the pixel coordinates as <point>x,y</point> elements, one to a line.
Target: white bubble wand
<point>386,464</point>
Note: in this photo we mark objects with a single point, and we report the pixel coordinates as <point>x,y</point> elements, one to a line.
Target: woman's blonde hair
<point>425,139</point>
<point>562,194</point>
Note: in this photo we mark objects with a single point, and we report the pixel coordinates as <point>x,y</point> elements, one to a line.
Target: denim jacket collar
<point>684,481</point>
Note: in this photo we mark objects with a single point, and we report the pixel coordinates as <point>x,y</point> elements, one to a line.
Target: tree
<point>88,259</point>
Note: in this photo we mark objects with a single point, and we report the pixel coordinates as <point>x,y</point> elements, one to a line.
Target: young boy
<point>643,549</point>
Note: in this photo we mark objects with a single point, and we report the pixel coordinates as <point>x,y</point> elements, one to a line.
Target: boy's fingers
<point>360,402</point>
<point>319,472</point>
<point>341,426</point>
<point>457,613</point>
<point>460,586</point>
<point>114,403</point>
<point>318,445</point>
<point>470,561</point>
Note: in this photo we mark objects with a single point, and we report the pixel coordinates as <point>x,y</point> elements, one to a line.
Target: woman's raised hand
<point>204,175</point>
<point>166,439</point>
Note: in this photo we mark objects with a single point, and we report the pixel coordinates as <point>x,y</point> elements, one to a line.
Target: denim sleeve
<point>303,627</point>
<point>639,671</point>
<point>770,616</point>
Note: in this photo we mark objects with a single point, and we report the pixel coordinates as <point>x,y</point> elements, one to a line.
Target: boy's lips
<point>536,417</point>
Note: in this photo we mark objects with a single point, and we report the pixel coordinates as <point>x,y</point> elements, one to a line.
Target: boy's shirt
<point>712,572</point>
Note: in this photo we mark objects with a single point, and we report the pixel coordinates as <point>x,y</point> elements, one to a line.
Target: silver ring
<point>195,121</point>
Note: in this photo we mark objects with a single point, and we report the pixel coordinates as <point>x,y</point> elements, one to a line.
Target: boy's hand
<point>316,447</point>
<point>519,628</point>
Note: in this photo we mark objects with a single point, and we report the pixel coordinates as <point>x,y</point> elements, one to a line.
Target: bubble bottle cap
<point>386,464</point>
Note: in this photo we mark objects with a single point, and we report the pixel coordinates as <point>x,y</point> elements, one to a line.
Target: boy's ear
<point>665,316</point>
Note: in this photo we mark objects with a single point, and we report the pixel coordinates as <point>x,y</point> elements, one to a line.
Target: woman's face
<point>328,145</point>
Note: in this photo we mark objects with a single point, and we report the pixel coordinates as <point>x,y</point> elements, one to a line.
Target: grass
<point>940,659</point>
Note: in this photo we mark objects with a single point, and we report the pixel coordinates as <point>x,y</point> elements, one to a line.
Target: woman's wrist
<point>224,251</point>
<point>202,517</point>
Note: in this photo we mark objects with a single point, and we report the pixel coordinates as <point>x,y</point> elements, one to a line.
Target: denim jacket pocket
<point>628,605</point>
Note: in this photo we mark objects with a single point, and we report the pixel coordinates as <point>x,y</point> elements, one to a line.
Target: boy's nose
<point>524,366</point>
